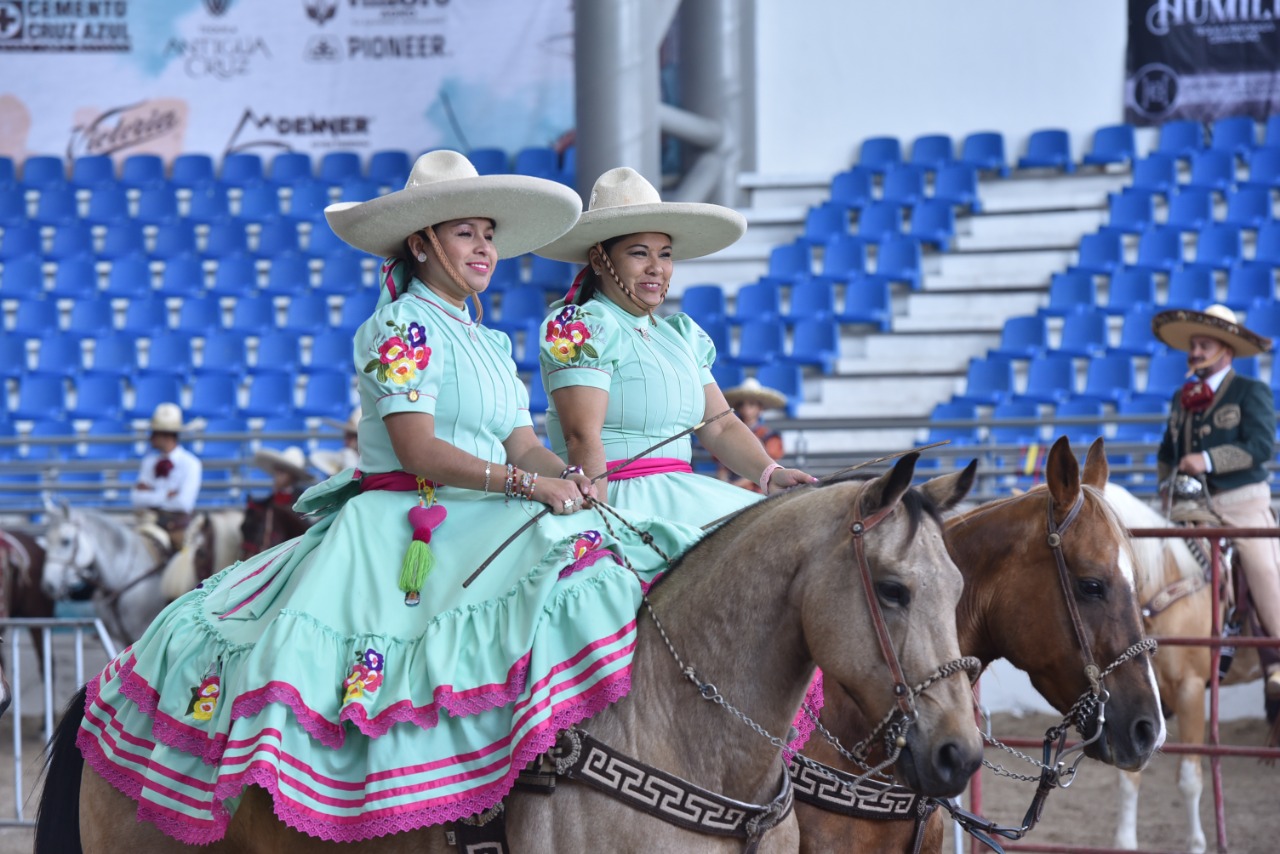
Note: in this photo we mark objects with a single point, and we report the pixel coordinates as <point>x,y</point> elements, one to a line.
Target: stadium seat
<point>1080,407</point>
<point>228,449</point>
<point>537,161</point>
<point>900,260</point>
<point>57,206</point>
<point>191,171</point>
<point>866,300</point>
<point>1156,172</point>
<point>290,167</point>
<point>13,206</point>
<point>278,237</point>
<point>330,352</point>
<point>815,342</point>
<point>75,278</point>
<point>1264,170</point>
<point>225,354</point>
<point>19,240</point>
<point>43,172</point>
<point>235,276</point>
<point>1112,144</point>
<point>1166,372</point>
<point>90,317</point>
<point>183,277</point>
<point>242,169</point>
<point>213,396</point>
<point>1101,253</point>
<point>989,381</point>
<point>1212,170</point>
<point>1084,334</point>
<point>727,373</point>
<point>169,354</point>
<point>1148,433</point>
<point>98,396</point>
<point>1159,250</point>
<point>107,204</point>
<point>1108,379</point>
<point>932,151</point>
<point>789,262</point>
<point>823,222</point>
<point>1190,209</point>
<point>1050,379</point>
<point>760,342</point>
<point>879,221</point>
<point>253,314</point>
<point>520,306</point>
<point>259,203</point>
<point>343,273</point>
<point>1264,318</point>
<point>1131,211</point>
<point>550,274</point>
<point>339,166</point>
<point>290,275</point>
<point>307,203</point>
<point>1218,247</point>
<point>1048,149</point>
<point>140,171</point>
<point>270,396</point>
<point>103,428</point>
<point>278,352</point>
<point>1181,139</point>
<point>22,278</point>
<point>1267,246</point>
<point>1136,337</point>
<point>1248,207</point>
<point>357,307</point>
<point>114,353</point>
<point>878,153</point>
<point>328,395</point>
<point>984,150</point>
<point>957,184</point>
<point>199,315</point>
<point>1023,338</point>
<point>13,361</point>
<point>389,168</point>
<point>145,317</point>
<point>933,223</point>
<point>309,313</point>
<point>903,184</point>
<point>704,303</point>
<point>8,172</point>
<point>1014,434</point>
<point>1235,135</point>
<point>226,238</point>
<point>40,399</point>
<point>785,378</point>
<point>151,391</point>
<point>72,239</point>
<point>35,316</point>
<point>1129,287</point>
<point>122,240</point>
<point>489,161</point>
<point>852,188</point>
<point>358,190</point>
<point>761,301</point>
<point>844,255</point>
<point>1247,283</point>
<point>812,298</point>
<point>954,411</point>
<point>174,239</point>
<point>209,204</point>
<point>1191,288</point>
<point>59,354</point>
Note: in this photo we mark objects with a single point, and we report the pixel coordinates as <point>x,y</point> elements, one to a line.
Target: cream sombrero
<point>623,202</point>
<point>443,185</point>
<point>167,418</point>
<point>1176,328</point>
<point>291,460</point>
<point>750,389</point>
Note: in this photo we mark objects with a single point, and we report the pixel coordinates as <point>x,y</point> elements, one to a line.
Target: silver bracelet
<point>488,467</point>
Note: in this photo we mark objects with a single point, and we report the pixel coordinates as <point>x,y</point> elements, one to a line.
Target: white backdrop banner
<point>121,77</point>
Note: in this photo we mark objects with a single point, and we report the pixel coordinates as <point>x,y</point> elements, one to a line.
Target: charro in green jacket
<point>1238,430</point>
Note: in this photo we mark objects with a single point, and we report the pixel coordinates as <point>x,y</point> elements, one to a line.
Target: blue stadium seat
<point>726,372</point>
<point>338,166</point>
<point>1218,247</point>
<point>1048,149</point>
<point>253,314</point>
<point>1236,135</point>
<point>98,396</point>
<point>59,354</point>
<point>550,274</point>
<point>878,153</point>
<point>1267,247</point>
<point>259,203</point>
<point>1212,170</point>
<point>224,449</point>
<point>8,172</point>
<point>122,240</point>
<point>1101,253</point>
<point>142,170</point>
<point>1084,334</point>
<point>44,172</point>
<point>103,428</point>
<point>761,301</point>
<point>568,165</point>
<point>107,204</point>
<point>157,205</point>
<point>146,316</point>
<point>1247,283</point>
<point>786,378</point>
<point>538,161</point>
<point>903,184</point>
<point>933,223</point>
<point>22,278</point>
<point>1191,288</point>
<point>1069,292</point>
<point>307,203</point>
<point>1080,407</point>
<point>1050,379</point>
<point>115,354</point>
<point>1143,433</point>
<point>1112,144</point>
<point>957,184</point>
<point>328,395</point>
<point>521,305</point>
<point>330,352</point>
<point>270,396</point>
<point>538,402</point>
<point>13,206</point>
<point>866,300</point>
<point>242,169</point>
<point>844,256</point>
<point>1248,207</point>
<point>183,277</point>
<point>226,238</point>
<point>932,151</point>
<point>1023,338</point>
<point>823,222</point>
<point>989,381</point>
<point>1109,379</point>
<point>1014,434</point>
<point>1264,318</point>
<point>1246,366</point>
<point>19,240</point>
<point>169,354</point>
<point>13,360</point>
<point>1131,211</point>
<point>1166,372</point>
<point>984,150</point>
<point>236,276</point>
<point>34,316</point>
<point>879,221</point>
<point>760,342</point>
<point>212,396</point>
<point>90,317</point>
<point>209,204</point>
<point>57,206</point>
<point>343,273</point>
<point>279,352</point>
<point>1159,250</point>
<point>225,354</point>
<point>489,161</point>
<point>152,390</point>
<point>357,307</point>
<point>322,242</point>
<point>1264,170</point>
<point>309,313</point>
<point>1130,287</point>
<point>71,240</point>
<point>812,297</point>
<point>174,239</point>
<point>40,398</point>
<point>954,411</point>
<point>358,190</point>
<point>389,168</point>
<point>290,275</point>
<point>278,237</point>
<point>1156,172</point>
<point>789,261</point>
<point>852,188</point>
<point>900,260</point>
<point>815,342</point>
<point>290,167</point>
<point>1136,337</point>
<point>1190,209</point>
<point>75,278</point>
<point>704,303</point>
<point>192,170</point>
<point>1181,139</point>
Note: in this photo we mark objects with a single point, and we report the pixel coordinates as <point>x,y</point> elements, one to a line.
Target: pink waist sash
<point>648,466</point>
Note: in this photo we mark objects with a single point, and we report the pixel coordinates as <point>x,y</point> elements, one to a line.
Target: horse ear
<point>947,490</point>
<point>49,506</point>
<point>1096,469</point>
<point>889,487</point>
<point>1062,473</point>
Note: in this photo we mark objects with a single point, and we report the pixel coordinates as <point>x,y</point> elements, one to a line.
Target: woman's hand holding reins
<point>562,496</point>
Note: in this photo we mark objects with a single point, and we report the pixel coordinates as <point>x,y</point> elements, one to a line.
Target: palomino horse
<point>1013,607</point>
<point>819,575</point>
<point>1168,569</point>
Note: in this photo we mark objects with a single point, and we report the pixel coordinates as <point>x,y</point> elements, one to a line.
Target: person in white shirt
<point>346,457</point>
<point>169,475</point>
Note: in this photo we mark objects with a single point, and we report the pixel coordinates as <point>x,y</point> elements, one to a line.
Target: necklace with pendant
<point>644,332</point>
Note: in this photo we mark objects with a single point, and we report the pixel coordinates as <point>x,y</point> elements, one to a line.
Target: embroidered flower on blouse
<point>365,675</point>
<point>567,335</point>
<point>401,356</point>
<point>204,698</point>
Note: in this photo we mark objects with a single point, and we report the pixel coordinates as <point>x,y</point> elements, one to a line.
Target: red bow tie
<point>164,465</point>
<point>1197,396</point>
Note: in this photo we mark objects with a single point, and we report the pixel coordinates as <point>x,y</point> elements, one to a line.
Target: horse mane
<point>1149,552</point>
<point>119,536</point>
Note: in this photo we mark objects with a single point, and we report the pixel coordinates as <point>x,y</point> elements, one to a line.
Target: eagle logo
<point>217,7</point>
<point>321,10</point>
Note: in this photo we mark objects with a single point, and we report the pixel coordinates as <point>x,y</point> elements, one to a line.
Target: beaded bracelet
<point>568,470</point>
<point>509,489</point>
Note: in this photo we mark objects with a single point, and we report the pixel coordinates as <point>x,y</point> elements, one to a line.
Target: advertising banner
<point>121,77</point>
<point>1202,60</point>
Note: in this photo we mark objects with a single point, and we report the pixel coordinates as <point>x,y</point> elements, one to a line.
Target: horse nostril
<point>1143,733</point>
<point>949,762</point>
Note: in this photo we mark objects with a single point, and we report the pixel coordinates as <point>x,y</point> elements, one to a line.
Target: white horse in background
<point>88,548</point>
<point>1168,564</point>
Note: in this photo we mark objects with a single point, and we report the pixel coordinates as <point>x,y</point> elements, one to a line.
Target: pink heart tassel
<point>418,559</point>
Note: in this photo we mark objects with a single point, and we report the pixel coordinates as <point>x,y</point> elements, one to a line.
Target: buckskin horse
<point>1014,607</point>
<point>851,575</point>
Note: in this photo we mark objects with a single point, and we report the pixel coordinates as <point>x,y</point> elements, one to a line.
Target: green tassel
<point>418,562</point>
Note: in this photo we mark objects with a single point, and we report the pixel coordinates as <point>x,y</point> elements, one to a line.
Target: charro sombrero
<point>623,202</point>
<point>443,185</point>
<point>351,425</point>
<point>1176,328</point>
<point>750,389</point>
<point>291,460</point>
<point>167,418</point>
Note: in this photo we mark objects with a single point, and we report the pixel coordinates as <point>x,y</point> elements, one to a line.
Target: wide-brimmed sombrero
<point>443,185</point>
<point>1176,328</point>
<point>167,418</point>
<point>291,460</point>
<point>623,202</point>
<point>751,390</point>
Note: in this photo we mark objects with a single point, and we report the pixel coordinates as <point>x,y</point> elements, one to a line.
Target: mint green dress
<point>655,374</point>
<point>303,670</point>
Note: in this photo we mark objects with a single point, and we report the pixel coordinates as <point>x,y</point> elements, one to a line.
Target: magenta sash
<point>648,466</point>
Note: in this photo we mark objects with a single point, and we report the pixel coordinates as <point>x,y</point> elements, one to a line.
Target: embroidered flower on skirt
<point>588,541</point>
<point>204,698</point>
<point>365,675</point>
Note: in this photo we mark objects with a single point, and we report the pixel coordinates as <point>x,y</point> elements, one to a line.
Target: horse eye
<point>893,593</point>
<point>1090,588</point>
